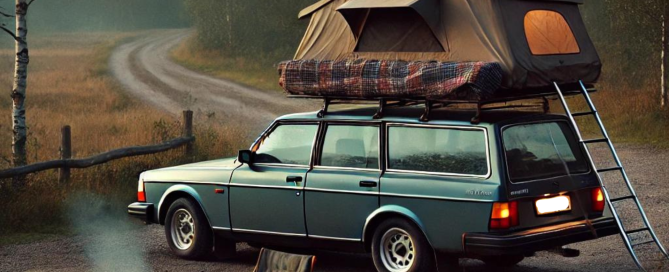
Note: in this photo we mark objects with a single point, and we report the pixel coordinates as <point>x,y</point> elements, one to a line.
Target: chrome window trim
<point>376,193</point>
<point>278,123</point>
<point>503,149</point>
<point>378,126</point>
<point>335,238</point>
<point>436,198</point>
<point>268,232</point>
<point>266,186</point>
<point>472,128</point>
<point>320,167</point>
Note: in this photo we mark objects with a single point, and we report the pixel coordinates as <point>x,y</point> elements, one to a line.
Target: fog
<point>100,15</point>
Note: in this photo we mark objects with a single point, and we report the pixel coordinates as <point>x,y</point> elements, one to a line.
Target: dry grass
<point>630,115</point>
<point>260,73</point>
<point>69,84</point>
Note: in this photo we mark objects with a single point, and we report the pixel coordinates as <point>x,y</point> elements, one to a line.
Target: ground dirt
<point>144,68</point>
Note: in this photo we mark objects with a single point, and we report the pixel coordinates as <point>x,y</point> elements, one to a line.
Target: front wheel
<point>399,246</point>
<point>188,233</point>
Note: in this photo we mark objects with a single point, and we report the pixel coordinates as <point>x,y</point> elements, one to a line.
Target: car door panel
<point>261,200</point>
<point>336,205</point>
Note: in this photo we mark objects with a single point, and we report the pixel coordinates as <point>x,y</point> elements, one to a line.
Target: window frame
<point>273,127</point>
<point>452,127</point>
<point>527,41</point>
<point>575,138</point>
<point>321,143</point>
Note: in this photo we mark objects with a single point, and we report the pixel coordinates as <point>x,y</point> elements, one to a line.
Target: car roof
<point>412,114</point>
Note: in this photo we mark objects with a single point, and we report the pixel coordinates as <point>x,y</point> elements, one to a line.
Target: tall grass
<point>69,84</point>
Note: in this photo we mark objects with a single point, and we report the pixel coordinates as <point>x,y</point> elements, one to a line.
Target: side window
<point>287,144</point>
<point>351,147</point>
<point>437,150</point>
<point>548,33</point>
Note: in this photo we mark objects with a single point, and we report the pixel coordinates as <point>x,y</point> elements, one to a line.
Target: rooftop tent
<point>536,42</point>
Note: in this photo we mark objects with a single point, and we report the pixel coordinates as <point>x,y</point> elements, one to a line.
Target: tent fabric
<point>375,79</point>
<point>491,31</point>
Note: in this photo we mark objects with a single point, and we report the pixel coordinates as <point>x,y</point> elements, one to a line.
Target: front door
<point>267,197</point>
<point>343,188</point>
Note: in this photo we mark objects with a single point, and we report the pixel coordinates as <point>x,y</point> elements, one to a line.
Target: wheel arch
<point>176,192</point>
<point>384,213</point>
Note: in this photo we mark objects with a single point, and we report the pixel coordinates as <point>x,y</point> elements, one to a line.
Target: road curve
<point>145,70</point>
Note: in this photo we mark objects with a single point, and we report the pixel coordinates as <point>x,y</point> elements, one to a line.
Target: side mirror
<point>246,156</point>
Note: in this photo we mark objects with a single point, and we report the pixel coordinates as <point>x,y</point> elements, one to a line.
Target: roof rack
<point>481,105</point>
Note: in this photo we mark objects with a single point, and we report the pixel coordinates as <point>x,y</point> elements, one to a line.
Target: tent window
<point>548,33</point>
<point>397,30</point>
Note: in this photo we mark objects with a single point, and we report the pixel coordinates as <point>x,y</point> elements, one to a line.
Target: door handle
<point>369,184</point>
<point>294,179</point>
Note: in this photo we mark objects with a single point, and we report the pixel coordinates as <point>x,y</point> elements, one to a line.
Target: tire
<point>503,261</point>
<point>187,230</point>
<point>390,241</point>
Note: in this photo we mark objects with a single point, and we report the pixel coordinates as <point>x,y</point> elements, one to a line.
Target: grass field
<point>69,84</point>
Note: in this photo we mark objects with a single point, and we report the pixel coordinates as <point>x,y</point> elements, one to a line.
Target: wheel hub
<point>398,253</point>
<point>183,229</point>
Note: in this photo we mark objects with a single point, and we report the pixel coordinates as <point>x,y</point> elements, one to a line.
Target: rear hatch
<point>548,174</point>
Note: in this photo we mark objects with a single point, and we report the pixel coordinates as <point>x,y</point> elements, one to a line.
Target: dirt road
<point>143,66</point>
<point>145,69</point>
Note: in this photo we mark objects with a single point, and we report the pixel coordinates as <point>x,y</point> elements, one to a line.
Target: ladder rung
<point>583,113</point>
<point>622,198</point>
<point>637,231</point>
<point>617,168</point>
<point>647,242</point>
<point>593,141</point>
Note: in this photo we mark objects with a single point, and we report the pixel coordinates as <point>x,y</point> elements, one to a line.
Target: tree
<point>18,95</point>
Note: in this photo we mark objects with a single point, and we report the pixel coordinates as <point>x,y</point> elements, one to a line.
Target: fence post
<point>188,130</point>
<point>65,152</point>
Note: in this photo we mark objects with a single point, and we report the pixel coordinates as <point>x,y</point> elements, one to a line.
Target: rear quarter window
<point>438,150</point>
<point>542,150</point>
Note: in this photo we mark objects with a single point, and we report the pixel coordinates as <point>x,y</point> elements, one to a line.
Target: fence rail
<point>65,163</point>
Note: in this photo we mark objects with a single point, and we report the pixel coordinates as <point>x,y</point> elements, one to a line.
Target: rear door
<point>544,160</point>
<point>266,197</point>
<point>343,188</point>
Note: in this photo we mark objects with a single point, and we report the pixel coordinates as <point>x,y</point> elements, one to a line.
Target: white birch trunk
<point>20,84</point>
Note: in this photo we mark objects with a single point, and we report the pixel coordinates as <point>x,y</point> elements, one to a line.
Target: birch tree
<point>18,94</point>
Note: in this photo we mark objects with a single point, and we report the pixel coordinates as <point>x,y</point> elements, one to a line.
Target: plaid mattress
<point>361,78</point>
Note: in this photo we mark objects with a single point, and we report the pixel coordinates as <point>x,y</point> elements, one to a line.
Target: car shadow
<point>338,261</point>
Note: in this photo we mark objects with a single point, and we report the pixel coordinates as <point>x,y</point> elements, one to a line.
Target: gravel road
<point>144,68</point>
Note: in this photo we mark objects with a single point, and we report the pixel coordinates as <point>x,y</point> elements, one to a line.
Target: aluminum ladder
<point>619,167</point>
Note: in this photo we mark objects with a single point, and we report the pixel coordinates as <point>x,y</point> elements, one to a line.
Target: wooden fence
<point>65,163</point>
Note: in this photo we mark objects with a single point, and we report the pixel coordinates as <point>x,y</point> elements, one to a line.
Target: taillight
<point>598,200</point>
<point>504,215</point>
<point>141,196</point>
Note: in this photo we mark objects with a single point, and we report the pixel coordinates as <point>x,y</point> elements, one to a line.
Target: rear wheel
<point>188,233</point>
<point>503,261</point>
<point>399,246</point>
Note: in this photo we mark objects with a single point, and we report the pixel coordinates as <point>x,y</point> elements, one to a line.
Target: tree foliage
<point>248,27</point>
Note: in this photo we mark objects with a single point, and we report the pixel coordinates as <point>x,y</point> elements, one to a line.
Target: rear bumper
<point>141,211</point>
<point>528,241</point>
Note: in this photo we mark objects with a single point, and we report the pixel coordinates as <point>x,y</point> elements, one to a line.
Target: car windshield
<point>543,150</point>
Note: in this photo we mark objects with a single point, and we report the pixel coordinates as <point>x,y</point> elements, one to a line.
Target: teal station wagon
<point>411,193</point>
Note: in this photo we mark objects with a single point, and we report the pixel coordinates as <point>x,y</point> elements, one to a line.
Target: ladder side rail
<point>644,216</point>
<point>625,237</point>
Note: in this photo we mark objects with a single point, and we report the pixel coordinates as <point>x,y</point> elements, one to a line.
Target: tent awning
<point>428,9</point>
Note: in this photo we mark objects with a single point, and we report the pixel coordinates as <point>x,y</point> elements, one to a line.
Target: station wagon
<point>415,195</point>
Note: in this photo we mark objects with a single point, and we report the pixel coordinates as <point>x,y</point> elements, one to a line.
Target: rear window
<point>543,150</point>
<point>438,150</point>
